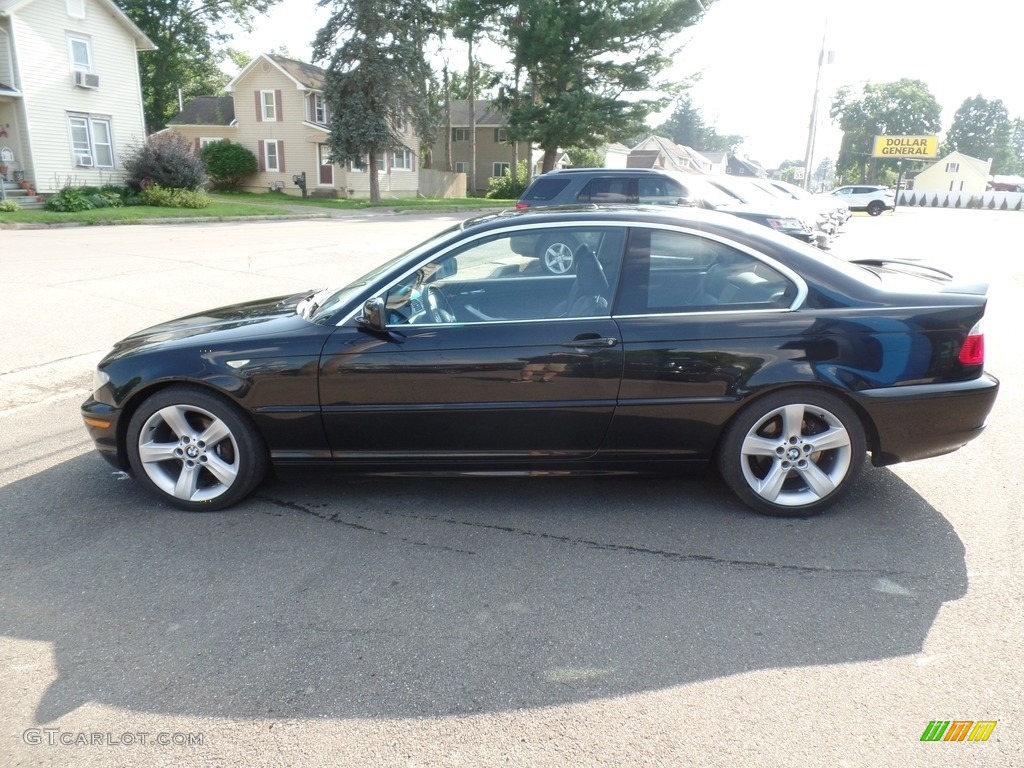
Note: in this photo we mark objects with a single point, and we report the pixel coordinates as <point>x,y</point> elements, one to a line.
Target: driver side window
<point>527,275</point>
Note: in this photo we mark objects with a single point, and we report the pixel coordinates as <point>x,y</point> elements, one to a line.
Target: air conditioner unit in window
<point>83,160</point>
<point>86,79</point>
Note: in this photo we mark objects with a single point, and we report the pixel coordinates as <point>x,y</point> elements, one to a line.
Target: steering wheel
<point>435,307</point>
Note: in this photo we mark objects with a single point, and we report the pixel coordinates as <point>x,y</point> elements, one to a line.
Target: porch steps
<point>14,192</point>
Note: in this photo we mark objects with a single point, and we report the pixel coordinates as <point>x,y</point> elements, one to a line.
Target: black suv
<point>641,186</point>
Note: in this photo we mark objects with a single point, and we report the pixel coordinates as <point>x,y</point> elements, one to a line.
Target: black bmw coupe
<point>680,336</point>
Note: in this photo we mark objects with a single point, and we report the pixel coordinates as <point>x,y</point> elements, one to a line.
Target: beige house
<point>956,172</point>
<point>494,153</point>
<point>275,107</point>
<point>70,95</point>
<point>664,154</point>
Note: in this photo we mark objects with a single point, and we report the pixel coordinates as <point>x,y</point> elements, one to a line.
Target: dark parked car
<point>645,186</point>
<point>684,337</point>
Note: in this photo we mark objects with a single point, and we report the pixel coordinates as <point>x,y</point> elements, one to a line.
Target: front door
<point>326,166</point>
<point>486,356</point>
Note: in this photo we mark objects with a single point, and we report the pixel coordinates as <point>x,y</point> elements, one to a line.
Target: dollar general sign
<point>906,146</point>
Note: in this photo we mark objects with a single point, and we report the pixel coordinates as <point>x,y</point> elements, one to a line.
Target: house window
<point>499,136</point>
<point>361,165</point>
<point>319,109</point>
<point>269,105</point>
<point>399,123</point>
<point>204,141</point>
<point>499,169</point>
<point>952,167</point>
<point>401,159</point>
<point>271,155</point>
<point>92,143</point>
<point>80,53</point>
<point>461,166</point>
<point>76,8</point>
<point>460,134</point>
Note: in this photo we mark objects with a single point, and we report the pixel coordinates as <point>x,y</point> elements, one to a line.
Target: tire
<point>556,255</point>
<point>195,449</point>
<point>876,207</point>
<point>792,453</point>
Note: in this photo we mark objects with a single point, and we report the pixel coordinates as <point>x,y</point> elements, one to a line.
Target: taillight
<point>972,351</point>
<point>520,205</point>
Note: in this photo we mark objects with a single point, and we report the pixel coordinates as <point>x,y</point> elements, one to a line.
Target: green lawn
<point>230,205</point>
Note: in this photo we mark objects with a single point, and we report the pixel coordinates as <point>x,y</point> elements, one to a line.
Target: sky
<point>756,60</point>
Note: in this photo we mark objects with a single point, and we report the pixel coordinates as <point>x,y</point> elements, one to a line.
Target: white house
<point>70,95</point>
<point>956,172</point>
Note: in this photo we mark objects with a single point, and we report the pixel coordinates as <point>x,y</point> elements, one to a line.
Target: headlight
<point>99,378</point>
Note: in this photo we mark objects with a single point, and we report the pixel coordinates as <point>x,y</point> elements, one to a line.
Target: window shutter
<point>280,156</point>
<point>198,148</point>
<point>277,104</point>
<point>262,156</point>
<point>259,107</point>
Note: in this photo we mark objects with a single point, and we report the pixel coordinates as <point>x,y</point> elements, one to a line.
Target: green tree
<point>686,126</point>
<point>588,65</point>
<point>904,107</point>
<point>982,128</point>
<point>585,157</point>
<point>228,164</point>
<point>187,34</point>
<point>1016,165</point>
<point>377,75</point>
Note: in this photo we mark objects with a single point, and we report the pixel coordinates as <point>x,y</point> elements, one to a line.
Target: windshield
<point>710,194</point>
<point>321,305</point>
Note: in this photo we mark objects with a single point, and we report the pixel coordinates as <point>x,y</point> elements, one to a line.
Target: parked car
<point>685,337</point>
<point>837,209</point>
<point>864,197</point>
<point>636,186</point>
<point>747,190</point>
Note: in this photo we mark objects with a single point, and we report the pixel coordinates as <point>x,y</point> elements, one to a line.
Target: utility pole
<point>824,57</point>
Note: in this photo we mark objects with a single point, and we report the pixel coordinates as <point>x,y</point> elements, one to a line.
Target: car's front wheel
<point>876,207</point>
<point>792,453</point>
<point>195,449</point>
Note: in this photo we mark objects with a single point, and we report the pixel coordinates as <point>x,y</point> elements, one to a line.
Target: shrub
<point>505,187</point>
<point>175,198</point>
<point>69,200</point>
<point>227,164</point>
<point>167,160</point>
<point>9,206</point>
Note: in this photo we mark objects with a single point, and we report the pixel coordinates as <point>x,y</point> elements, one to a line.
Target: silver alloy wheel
<point>558,258</point>
<point>796,455</point>
<point>189,453</point>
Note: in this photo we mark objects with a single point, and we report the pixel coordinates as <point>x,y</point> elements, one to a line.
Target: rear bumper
<point>920,421</point>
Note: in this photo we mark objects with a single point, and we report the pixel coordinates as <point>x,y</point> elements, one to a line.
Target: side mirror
<point>373,315</point>
<point>687,201</point>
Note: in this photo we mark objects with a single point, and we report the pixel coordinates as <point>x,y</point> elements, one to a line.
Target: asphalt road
<point>481,622</point>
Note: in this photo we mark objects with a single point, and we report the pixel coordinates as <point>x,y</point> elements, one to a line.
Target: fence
<point>993,201</point>
<point>435,183</point>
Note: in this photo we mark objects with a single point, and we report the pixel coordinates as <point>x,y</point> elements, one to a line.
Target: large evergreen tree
<point>589,64</point>
<point>686,126</point>
<point>982,128</point>
<point>377,74</point>
<point>187,33</point>
<point>902,108</point>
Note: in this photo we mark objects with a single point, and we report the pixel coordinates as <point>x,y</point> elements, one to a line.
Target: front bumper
<point>101,421</point>
<point>925,420</point>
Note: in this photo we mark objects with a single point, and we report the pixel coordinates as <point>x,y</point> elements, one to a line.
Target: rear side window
<point>615,189</point>
<point>668,272</point>
<point>545,189</point>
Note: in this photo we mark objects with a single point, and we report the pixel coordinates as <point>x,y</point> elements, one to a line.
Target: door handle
<point>600,342</point>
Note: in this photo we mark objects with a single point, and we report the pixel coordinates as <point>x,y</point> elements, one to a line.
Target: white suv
<point>866,197</point>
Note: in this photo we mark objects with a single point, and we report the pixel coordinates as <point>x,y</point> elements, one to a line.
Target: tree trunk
<point>472,122</point>
<point>448,165</point>
<point>374,180</point>
<point>550,156</point>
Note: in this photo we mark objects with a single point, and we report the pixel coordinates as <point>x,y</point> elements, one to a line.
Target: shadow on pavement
<point>430,597</point>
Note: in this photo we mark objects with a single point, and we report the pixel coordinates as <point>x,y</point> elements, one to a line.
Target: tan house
<point>275,107</point>
<point>70,94</point>
<point>664,154</point>
<point>494,153</point>
<point>956,172</point>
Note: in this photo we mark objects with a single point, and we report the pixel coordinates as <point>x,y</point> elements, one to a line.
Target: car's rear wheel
<point>875,207</point>
<point>793,453</point>
<point>557,254</point>
<point>195,449</point>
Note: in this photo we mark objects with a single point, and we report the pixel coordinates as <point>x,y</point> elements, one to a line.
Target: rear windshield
<point>545,189</point>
